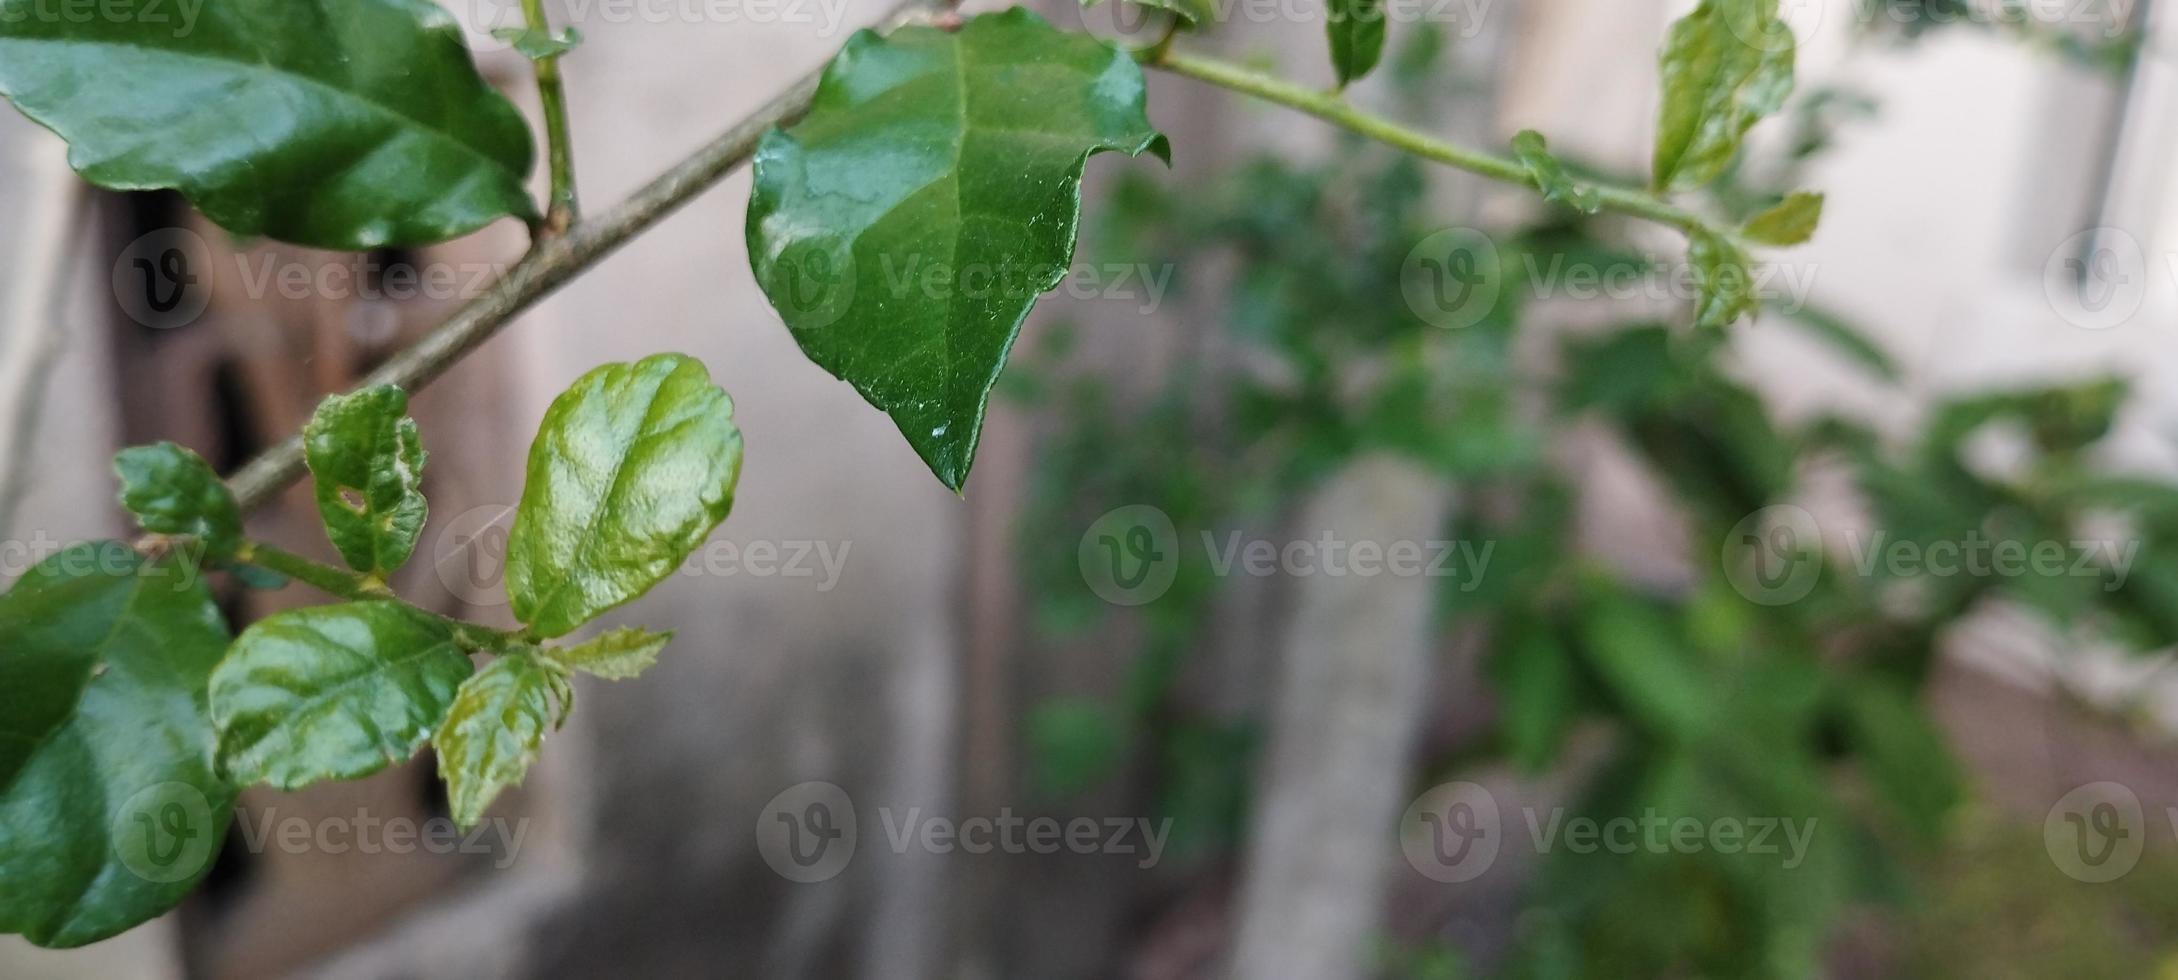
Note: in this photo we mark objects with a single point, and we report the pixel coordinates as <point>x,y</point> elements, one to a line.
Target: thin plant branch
<point>1330,108</point>
<point>555,261</point>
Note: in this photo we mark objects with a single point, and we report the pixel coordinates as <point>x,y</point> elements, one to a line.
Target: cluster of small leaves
<point>121,683</point>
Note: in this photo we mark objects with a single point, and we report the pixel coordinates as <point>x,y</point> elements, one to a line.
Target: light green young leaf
<point>1791,222</point>
<point>1550,175</point>
<point>1723,280</point>
<point>615,655</point>
<point>539,45</point>
<point>174,491</point>
<point>342,124</point>
<point>906,226</point>
<point>1356,31</point>
<point>492,733</point>
<point>1725,66</point>
<point>631,469</point>
<point>367,465</point>
<point>110,811</point>
<point>334,692</point>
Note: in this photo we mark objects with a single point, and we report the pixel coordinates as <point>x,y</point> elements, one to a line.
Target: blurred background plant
<point>1774,677</point>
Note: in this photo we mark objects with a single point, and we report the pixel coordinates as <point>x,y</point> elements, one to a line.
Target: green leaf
<point>1356,32</point>
<point>539,45</point>
<point>1075,743</point>
<point>615,655</point>
<point>1905,756</point>
<point>110,811</point>
<point>1640,657</point>
<point>904,229</point>
<point>1841,336</point>
<point>1791,222</point>
<point>367,464</point>
<point>1537,679</point>
<point>174,491</point>
<point>342,124</point>
<point>1550,175</point>
<point>334,692</point>
<point>1725,66</point>
<point>1723,280</point>
<point>631,469</point>
<point>493,731</point>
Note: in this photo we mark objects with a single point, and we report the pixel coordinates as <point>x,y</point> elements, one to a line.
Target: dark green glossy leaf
<point>1791,222</point>
<point>904,229</point>
<point>493,731</point>
<point>345,124</point>
<point>174,491</point>
<point>110,810</point>
<point>1725,66</point>
<point>1550,175</point>
<point>367,464</point>
<point>1723,280</point>
<point>632,468</point>
<point>615,655</point>
<point>1356,32</point>
<point>334,692</point>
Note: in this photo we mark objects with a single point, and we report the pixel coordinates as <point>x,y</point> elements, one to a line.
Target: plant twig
<point>359,587</point>
<point>552,263</point>
<point>563,210</point>
<point>318,575</point>
<point>1338,112</point>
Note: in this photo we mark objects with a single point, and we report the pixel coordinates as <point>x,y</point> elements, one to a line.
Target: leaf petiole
<point>563,209</point>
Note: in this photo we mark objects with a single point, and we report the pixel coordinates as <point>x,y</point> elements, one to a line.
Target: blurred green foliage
<point>1709,699</point>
